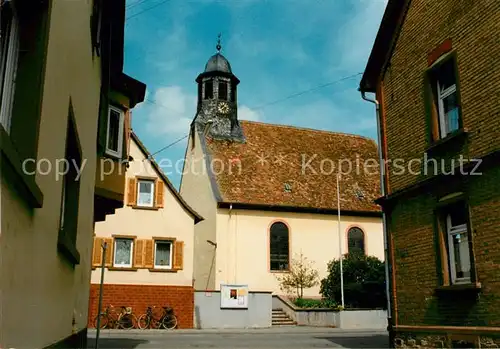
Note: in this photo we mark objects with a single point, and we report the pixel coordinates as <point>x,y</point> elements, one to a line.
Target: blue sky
<point>276,48</point>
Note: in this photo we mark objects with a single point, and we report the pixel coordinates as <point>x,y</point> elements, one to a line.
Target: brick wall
<point>474,29</point>
<point>139,297</point>
<point>417,268</point>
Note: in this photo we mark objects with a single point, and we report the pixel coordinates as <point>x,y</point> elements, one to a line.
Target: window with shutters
<point>279,247</point>
<point>145,193</point>
<point>456,244</point>
<point>443,97</point>
<point>123,252</point>
<point>163,254</point>
<point>114,136</point>
<point>355,240</point>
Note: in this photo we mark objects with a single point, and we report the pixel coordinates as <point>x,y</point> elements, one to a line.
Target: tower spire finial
<point>218,47</point>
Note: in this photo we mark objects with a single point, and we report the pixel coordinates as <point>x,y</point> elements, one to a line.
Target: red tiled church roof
<point>270,169</point>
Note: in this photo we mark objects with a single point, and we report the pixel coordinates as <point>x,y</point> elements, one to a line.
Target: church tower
<point>217,110</point>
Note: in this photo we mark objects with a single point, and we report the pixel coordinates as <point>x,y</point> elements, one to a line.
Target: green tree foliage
<point>302,275</point>
<point>364,282</point>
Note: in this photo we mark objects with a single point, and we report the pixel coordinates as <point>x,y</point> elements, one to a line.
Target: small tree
<point>302,275</point>
<point>364,281</point>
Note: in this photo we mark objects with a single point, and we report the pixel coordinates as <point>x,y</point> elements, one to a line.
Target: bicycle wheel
<point>127,321</point>
<point>103,321</point>
<point>169,322</point>
<point>144,321</point>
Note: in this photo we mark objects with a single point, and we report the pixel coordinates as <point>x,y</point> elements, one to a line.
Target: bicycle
<point>149,320</point>
<point>168,320</point>
<point>127,320</point>
<point>110,318</point>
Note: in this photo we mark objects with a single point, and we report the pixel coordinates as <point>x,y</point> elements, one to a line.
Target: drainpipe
<point>384,221</point>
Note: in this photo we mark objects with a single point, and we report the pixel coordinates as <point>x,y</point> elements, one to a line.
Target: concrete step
<point>280,318</point>
<point>283,323</point>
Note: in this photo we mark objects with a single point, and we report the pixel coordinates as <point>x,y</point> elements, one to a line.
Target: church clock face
<point>223,108</point>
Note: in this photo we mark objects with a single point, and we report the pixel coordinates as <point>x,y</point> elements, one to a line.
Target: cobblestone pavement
<point>289,337</point>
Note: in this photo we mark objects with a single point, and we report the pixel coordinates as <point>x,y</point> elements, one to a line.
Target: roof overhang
<point>230,76</point>
<point>296,209</point>
<point>384,43</point>
<point>130,87</point>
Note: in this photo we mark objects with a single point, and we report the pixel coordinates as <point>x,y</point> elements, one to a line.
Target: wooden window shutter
<point>159,186</point>
<point>179,255</point>
<point>431,107</point>
<point>148,255</point>
<point>97,253</point>
<point>109,252</point>
<point>132,192</point>
<point>139,253</point>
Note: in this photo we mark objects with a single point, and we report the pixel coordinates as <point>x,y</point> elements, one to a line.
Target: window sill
<point>25,183</point>
<point>447,142</point>
<point>473,287</point>
<point>279,271</point>
<point>123,268</point>
<point>113,155</point>
<point>159,270</point>
<point>153,208</point>
<point>67,248</point>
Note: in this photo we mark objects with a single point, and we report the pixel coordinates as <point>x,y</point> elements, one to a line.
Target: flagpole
<point>340,242</point>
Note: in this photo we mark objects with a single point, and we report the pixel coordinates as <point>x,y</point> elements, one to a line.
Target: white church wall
<point>243,244</point>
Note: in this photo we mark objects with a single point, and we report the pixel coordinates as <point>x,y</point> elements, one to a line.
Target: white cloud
<point>245,113</point>
<point>172,112</point>
<point>354,40</point>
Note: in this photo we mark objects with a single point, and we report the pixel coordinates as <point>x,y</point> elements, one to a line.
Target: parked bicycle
<point>167,320</point>
<point>151,319</point>
<point>111,318</point>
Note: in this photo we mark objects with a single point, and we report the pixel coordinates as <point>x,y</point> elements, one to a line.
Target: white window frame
<point>441,95</point>
<point>169,266</point>
<point>121,127</point>
<point>8,76</point>
<point>139,181</point>
<point>129,265</point>
<point>451,231</point>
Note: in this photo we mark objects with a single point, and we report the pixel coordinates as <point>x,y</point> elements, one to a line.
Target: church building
<point>269,192</point>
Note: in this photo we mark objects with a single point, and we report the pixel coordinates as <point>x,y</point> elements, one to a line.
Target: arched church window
<point>279,243</point>
<point>209,89</point>
<point>356,240</point>
<point>223,90</point>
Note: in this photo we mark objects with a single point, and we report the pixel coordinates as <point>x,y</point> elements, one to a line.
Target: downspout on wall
<point>384,220</point>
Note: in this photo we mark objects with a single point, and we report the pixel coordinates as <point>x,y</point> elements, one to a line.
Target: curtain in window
<point>355,241</point>
<point>123,248</point>
<point>163,253</point>
<point>145,193</point>
<point>278,237</point>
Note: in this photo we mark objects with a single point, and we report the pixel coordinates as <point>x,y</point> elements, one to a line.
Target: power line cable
<point>137,3</point>
<point>147,9</point>
<point>258,107</point>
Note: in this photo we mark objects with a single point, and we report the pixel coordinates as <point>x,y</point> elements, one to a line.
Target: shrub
<point>364,282</point>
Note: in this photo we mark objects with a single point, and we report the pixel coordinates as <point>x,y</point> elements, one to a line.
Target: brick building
<point>435,72</point>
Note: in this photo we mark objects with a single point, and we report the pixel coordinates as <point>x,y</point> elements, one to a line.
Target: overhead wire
<point>297,94</point>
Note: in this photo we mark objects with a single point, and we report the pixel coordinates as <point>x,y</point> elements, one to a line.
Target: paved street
<point>290,337</point>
